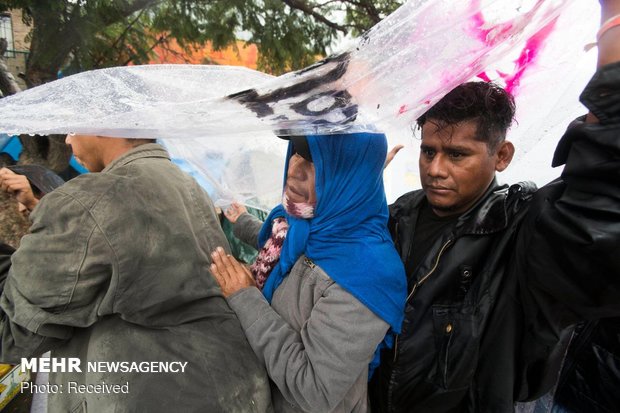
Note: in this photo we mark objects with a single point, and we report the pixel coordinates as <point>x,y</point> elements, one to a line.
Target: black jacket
<point>590,378</point>
<point>489,307</point>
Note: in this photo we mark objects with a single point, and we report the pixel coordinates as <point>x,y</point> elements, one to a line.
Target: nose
<point>437,167</point>
<point>296,167</point>
<point>22,208</point>
<point>68,139</point>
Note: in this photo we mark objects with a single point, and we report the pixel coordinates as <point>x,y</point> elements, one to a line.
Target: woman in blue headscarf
<point>333,286</point>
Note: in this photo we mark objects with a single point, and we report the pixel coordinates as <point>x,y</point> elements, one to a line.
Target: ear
<point>505,152</point>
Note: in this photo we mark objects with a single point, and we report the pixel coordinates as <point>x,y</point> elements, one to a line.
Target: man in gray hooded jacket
<point>115,273</point>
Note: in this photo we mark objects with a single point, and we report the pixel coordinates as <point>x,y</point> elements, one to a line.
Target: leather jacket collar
<point>488,215</point>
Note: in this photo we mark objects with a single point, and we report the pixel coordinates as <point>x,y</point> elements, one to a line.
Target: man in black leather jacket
<point>497,275</point>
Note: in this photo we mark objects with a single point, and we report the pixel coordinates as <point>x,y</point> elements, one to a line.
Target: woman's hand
<point>234,211</point>
<point>230,274</point>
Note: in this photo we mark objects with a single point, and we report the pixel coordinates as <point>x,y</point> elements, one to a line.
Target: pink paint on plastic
<point>483,76</point>
<point>528,55</point>
<point>492,35</point>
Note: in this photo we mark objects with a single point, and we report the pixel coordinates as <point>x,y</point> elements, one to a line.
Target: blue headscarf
<point>348,236</point>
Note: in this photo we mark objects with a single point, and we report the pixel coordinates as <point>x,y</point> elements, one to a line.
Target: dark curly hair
<point>492,107</point>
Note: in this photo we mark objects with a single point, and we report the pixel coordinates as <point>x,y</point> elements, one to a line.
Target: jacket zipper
<point>413,290</point>
<point>396,242</point>
<point>420,282</point>
<point>423,279</point>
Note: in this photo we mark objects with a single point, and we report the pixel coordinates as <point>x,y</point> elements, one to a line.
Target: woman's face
<point>300,181</point>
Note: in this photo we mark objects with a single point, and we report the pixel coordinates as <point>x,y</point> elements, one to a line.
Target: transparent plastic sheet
<point>221,121</point>
<point>153,101</point>
<point>248,170</point>
<point>545,72</point>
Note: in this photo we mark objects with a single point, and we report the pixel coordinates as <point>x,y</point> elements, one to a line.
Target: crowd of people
<point>464,296</point>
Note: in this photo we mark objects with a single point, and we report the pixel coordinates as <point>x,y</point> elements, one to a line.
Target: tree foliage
<point>77,35</point>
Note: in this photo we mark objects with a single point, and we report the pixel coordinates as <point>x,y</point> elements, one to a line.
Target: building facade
<point>15,31</point>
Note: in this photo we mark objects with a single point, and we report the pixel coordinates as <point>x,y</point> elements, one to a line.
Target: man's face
<point>88,151</point>
<point>300,181</point>
<point>455,168</point>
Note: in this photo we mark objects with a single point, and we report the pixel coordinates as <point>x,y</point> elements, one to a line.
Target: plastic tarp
<point>222,120</point>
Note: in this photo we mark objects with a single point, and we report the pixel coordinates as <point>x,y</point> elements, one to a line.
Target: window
<point>6,32</point>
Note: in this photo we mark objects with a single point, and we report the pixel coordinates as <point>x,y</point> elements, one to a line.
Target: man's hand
<point>234,211</point>
<point>231,275</point>
<point>19,187</point>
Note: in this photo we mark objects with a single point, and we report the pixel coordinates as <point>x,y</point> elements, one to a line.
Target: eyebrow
<point>451,148</point>
<point>457,148</point>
